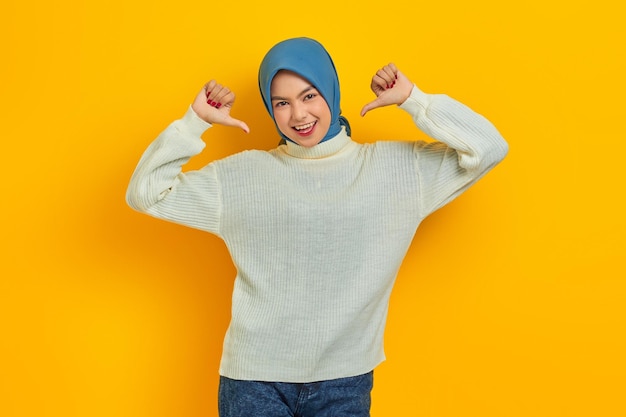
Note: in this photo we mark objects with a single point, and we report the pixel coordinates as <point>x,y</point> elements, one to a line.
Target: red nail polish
<point>218,105</point>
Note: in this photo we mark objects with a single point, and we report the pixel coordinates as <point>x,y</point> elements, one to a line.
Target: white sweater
<point>317,234</point>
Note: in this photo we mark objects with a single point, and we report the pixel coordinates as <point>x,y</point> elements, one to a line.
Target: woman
<point>317,228</point>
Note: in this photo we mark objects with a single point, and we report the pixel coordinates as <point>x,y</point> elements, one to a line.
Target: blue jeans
<point>343,397</point>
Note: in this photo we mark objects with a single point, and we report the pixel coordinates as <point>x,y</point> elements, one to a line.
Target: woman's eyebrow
<point>303,92</point>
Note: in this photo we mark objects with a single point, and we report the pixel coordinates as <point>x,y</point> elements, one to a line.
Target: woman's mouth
<point>305,129</point>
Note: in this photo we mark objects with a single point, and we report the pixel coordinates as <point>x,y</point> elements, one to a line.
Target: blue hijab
<point>307,58</point>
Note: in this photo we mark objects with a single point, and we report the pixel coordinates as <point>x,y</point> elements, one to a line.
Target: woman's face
<point>300,111</point>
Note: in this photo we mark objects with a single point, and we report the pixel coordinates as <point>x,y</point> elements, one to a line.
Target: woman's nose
<point>299,112</point>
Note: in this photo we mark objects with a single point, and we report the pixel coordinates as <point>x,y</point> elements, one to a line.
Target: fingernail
<point>218,105</point>
<point>208,93</point>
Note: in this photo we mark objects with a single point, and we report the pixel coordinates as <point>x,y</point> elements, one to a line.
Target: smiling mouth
<point>305,129</point>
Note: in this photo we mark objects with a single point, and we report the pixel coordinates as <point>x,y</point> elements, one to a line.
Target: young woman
<point>317,228</point>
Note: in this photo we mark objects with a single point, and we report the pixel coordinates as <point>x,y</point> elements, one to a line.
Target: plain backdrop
<point>511,301</point>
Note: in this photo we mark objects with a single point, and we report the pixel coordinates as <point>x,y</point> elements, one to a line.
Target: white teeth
<point>304,127</point>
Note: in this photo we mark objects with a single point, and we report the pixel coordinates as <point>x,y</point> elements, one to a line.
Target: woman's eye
<point>309,96</point>
<point>280,103</point>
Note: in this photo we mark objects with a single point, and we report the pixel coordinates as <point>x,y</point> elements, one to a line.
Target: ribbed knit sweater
<point>317,234</point>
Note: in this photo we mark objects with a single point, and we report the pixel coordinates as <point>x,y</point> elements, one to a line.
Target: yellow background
<point>511,301</point>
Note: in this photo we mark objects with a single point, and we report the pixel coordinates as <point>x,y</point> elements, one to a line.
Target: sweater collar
<point>321,150</point>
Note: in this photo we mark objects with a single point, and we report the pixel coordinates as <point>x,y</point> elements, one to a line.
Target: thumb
<point>222,116</point>
<point>376,103</point>
<point>230,121</point>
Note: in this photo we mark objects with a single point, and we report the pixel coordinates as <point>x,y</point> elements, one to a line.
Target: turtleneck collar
<point>321,150</point>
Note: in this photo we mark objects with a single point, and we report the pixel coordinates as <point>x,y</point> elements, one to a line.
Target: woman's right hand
<point>213,104</point>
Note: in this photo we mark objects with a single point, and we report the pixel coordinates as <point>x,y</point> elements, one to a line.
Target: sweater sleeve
<point>466,147</point>
<point>158,186</point>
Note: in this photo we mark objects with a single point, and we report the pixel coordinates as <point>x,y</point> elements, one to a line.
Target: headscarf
<point>307,58</point>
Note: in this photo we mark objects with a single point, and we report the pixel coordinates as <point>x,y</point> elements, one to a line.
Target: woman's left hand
<point>390,86</point>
